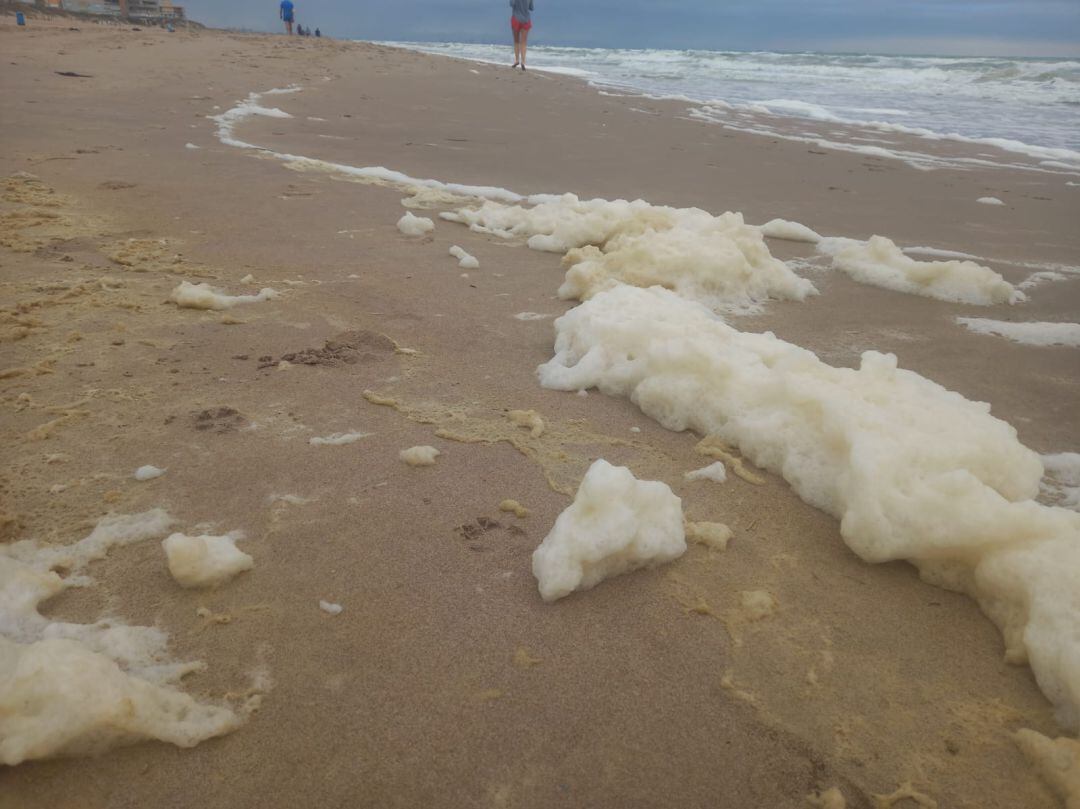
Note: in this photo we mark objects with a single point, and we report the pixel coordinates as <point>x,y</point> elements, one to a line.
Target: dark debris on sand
<point>347,348</point>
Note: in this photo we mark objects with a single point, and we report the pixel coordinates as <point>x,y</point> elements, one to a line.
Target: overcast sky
<point>960,27</point>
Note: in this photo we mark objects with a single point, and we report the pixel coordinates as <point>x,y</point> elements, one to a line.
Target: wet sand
<point>416,694</point>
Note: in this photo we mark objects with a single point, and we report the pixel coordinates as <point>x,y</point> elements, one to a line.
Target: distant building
<point>86,6</point>
<point>151,9</point>
<point>171,11</point>
<point>143,10</point>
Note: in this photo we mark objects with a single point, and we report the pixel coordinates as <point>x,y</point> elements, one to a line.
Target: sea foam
<point>911,470</point>
<point>79,689</point>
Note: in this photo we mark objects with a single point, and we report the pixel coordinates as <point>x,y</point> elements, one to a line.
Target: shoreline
<point>724,111</point>
<point>430,620</point>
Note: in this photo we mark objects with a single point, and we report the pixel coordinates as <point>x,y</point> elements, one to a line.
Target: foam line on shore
<point>783,112</point>
<point>976,527</point>
<point>879,262</point>
<point>250,107</point>
<point>718,260</point>
<point>912,471</point>
<point>923,161</point>
<point>1033,334</point>
<point>1067,159</point>
<point>442,191</point>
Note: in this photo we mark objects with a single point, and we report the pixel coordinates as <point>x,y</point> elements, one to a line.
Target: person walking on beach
<point>520,24</point>
<point>286,12</point>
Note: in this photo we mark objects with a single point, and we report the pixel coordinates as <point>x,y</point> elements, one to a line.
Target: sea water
<point>1030,106</point>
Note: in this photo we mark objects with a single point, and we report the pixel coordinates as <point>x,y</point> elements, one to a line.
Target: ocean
<point>1028,107</point>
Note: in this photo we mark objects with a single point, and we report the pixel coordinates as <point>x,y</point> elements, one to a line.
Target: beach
<point>445,679</point>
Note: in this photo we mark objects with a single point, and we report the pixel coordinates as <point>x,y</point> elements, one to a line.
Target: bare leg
<point>524,42</point>
<point>288,28</point>
<point>517,48</point>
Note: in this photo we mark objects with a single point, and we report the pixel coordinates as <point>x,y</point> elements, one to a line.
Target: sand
<point>654,688</point>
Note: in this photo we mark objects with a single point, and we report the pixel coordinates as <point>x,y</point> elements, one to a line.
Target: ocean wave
<point>1024,106</point>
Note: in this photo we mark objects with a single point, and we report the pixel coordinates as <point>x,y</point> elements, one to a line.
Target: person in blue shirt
<point>286,13</point>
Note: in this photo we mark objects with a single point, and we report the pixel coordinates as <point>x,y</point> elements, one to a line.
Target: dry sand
<point>446,681</point>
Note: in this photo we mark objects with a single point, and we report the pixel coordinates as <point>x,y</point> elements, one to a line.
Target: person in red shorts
<point>520,24</point>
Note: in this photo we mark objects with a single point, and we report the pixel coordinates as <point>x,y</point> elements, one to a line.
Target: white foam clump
<point>881,263</point>
<point>289,499</point>
<point>615,524</point>
<point>719,260</point>
<point>1037,278</point>
<point>1032,333</point>
<point>330,608</point>
<point>203,296</point>
<point>937,252</point>
<point>1062,480</point>
<point>714,471</point>
<point>419,456</point>
<point>205,561</point>
<point>465,260</point>
<point>531,316</point>
<point>62,699</point>
<point>989,201</point>
<point>337,439</point>
<point>789,231</point>
<point>191,146</point>
<point>412,225</point>
<point>80,689</point>
<point>148,472</point>
<point>912,470</point>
